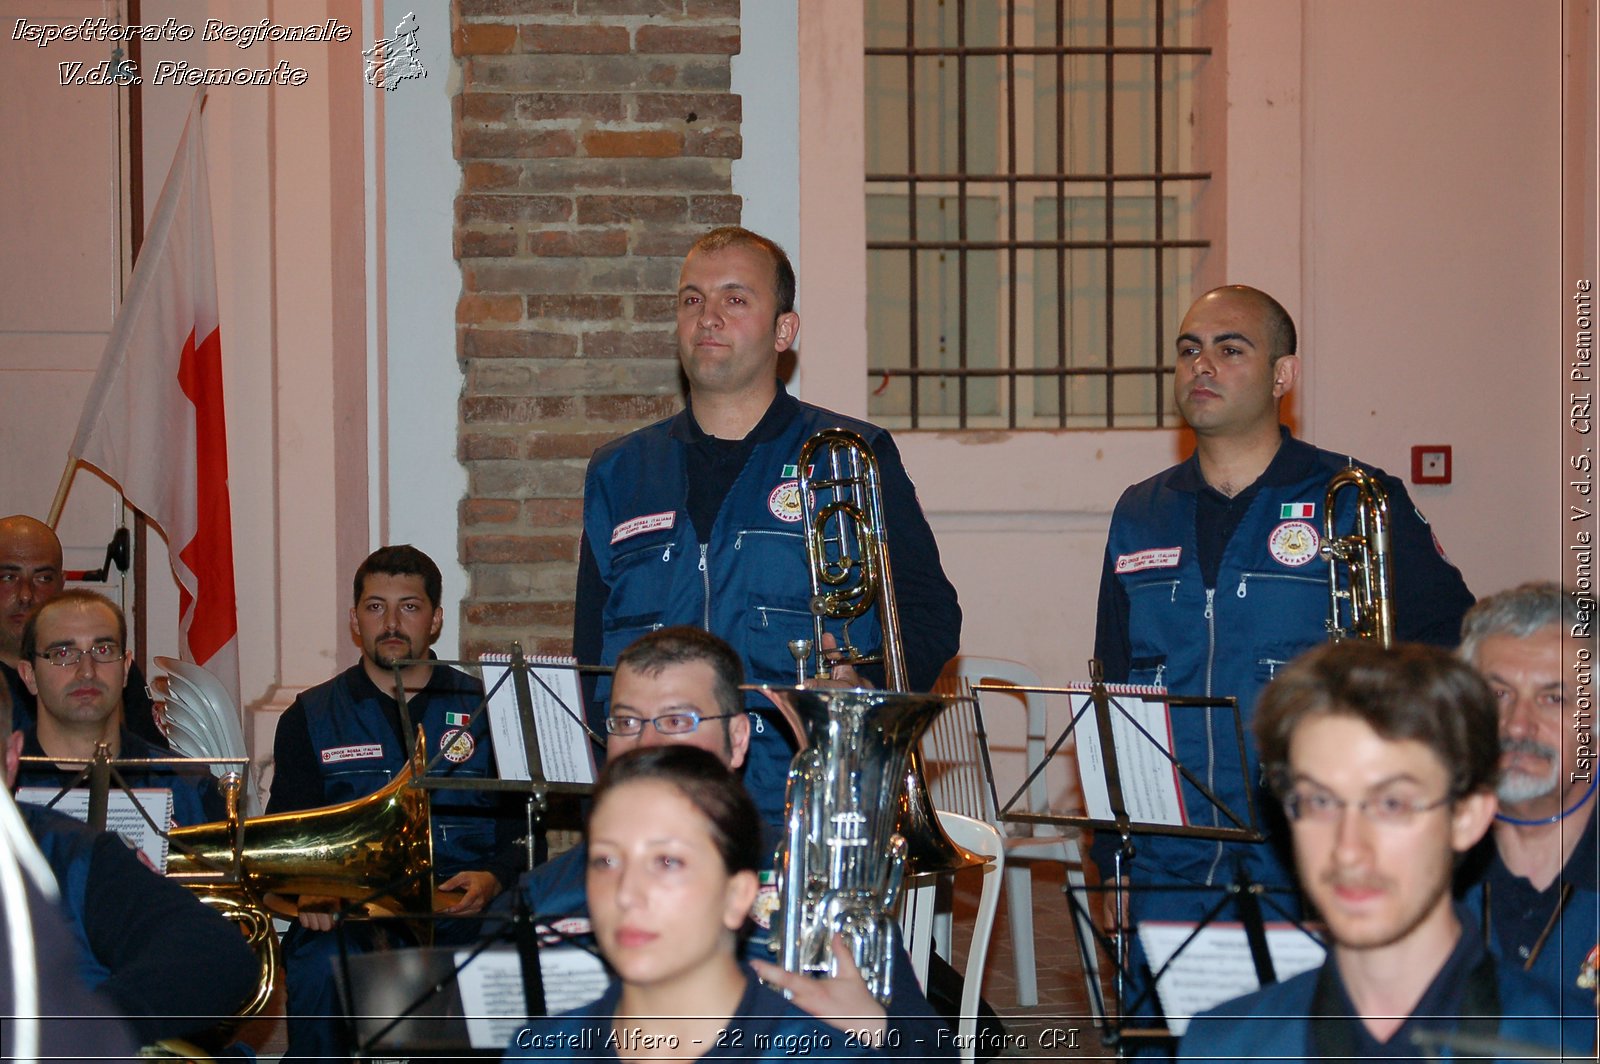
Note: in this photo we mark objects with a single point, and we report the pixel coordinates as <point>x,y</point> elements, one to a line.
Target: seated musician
<point>680,687</point>
<point>671,875</point>
<point>344,739</point>
<point>1386,761</point>
<point>166,961</point>
<point>79,696</point>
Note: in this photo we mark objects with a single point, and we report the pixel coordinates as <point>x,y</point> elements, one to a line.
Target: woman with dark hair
<point>673,852</point>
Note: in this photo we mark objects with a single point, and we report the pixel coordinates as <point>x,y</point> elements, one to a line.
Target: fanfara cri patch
<point>1294,542</point>
<point>784,502</point>
<point>458,745</point>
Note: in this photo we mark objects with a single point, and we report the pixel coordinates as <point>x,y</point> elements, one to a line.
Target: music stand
<point>1243,829</point>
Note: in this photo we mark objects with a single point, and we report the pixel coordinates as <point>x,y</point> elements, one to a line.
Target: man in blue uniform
<point>79,701</point>
<point>1385,761</point>
<point>680,686</point>
<point>345,739</point>
<point>1213,580</point>
<point>696,519</point>
<point>1535,896</point>
<point>30,576</point>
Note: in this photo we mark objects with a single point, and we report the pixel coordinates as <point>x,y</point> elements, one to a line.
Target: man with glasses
<point>30,576</point>
<point>1537,892</point>
<point>73,660</point>
<point>1385,761</point>
<point>680,686</point>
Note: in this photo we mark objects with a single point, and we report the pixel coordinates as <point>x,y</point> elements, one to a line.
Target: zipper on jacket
<point>705,587</point>
<point>1245,578</point>
<point>1211,739</point>
<point>1272,665</point>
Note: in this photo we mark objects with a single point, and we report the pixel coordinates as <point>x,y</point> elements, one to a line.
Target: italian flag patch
<point>1301,510</point>
<point>455,720</point>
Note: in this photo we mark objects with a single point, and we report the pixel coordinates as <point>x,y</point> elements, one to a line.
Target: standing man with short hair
<point>30,576</point>
<point>75,662</point>
<point>344,739</point>
<point>1537,901</point>
<point>1213,580</point>
<point>697,519</point>
<point>1385,761</point>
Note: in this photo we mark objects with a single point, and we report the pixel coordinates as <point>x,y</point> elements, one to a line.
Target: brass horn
<point>842,509</point>
<point>356,850</point>
<point>1364,552</point>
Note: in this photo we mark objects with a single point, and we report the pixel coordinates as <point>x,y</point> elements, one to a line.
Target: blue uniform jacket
<point>554,892</point>
<point>750,584</point>
<point>1160,624</point>
<point>195,797</point>
<point>68,846</point>
<point>763,1027</point>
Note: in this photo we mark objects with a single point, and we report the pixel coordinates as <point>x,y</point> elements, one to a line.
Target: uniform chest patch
<point>564,930</point>
<point>1157,558</point>
<point>1588,979</point>
<point>1294,543</point>
<point>458,745</point>
<point>766,902</point>
<point>335,754</point>
<point>784,502</point>
<point>637,526</point>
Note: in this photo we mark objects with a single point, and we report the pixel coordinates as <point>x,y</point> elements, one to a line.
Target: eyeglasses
<point>66,657</point>
<point>1386,810</point>
<point>681,723</point>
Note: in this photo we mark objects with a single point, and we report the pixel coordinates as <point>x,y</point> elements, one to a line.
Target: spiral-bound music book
<point>557,709</point>
<point>122,815</point>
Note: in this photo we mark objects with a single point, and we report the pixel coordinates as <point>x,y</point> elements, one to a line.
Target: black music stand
<point>1245,829</point>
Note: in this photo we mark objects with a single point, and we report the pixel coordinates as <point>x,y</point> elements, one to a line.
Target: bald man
<point>31,575</point>
<point>1213,580</point>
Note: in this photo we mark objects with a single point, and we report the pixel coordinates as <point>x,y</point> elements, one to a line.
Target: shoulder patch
<point>1155,558</point>
<point>639,525</point>
<point>335,754</point>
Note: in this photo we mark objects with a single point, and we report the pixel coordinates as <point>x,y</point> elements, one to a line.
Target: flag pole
<point>61,493</point>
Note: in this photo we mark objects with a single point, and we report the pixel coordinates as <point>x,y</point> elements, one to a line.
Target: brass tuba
<point>1364,552</point>
<point>377,847</point>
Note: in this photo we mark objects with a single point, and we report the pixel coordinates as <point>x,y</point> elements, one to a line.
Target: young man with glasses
<point>680,686</point>
<point>1386,761</point>
<point>74,661</point>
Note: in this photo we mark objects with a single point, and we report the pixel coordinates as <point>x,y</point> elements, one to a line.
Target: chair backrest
<point>972,671</point>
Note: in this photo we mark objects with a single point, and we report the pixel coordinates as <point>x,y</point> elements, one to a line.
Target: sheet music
<point>1149,780</point>
<point>564,747</point>
<point>1217,965</point>
<point>491,989</point>
<point>122,815</point>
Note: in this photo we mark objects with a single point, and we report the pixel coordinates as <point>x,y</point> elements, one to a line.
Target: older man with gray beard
<point>1538,899</point>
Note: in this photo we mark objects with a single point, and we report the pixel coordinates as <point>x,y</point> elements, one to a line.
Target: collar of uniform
<point>1294,461</point>
<point>361,685</point>
<point>779,413</point>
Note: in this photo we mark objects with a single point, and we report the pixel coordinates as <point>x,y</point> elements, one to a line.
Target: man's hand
<point>1116,895</point>
<point>479,889</point>
<point>843,1001</point>
<point>840,677</point>
<point>316,911</point>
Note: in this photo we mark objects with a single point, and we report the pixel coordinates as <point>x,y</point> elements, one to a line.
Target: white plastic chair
<point>917,920</point>
<point>954,747</point>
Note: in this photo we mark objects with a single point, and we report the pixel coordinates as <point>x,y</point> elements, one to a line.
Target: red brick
<point>484,38</point>
<point>493,549</point>
<point>598,308</point>
<point>565,444</point>
<point>655,308</point>
<point>656,343</point>
<point>517,410</point>
<point>472,309</point>
<point>489,511</point>
<point>488,106</point>
<point>515,143</point>
<point>472,209</point>
<point>717,143</point>
<point>480,447</point>
<point>487,177</point>
<point>594,210</point>
<point>518,614</point>
<point>648,144</point>
<point>716,210</point>
<point>503,8</point>
<point>576,40</point>
<point>688,40</point>
<point>471,245</point>
<point>681,176</point>
<point>653,8</point>
<point>584,242</point>
<point>516,343</point>
<point>672,243</point>
<point>686,107</point>
<point>639,408</point>
<point>556,513</point>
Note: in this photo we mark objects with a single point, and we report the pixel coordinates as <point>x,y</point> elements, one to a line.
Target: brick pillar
<point>596,140</point>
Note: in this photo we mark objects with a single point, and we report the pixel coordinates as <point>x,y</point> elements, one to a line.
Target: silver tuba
<point>1364,552</point>
<point>842,862</point>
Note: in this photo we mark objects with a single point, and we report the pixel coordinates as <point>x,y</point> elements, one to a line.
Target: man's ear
<point>355,629</point>
<point>29,679</point>
<point>1470,818</point>
<point>437,626</point>
<point>1285,373</point>
<point>738,739</point>
<point>788,328</point>
<point>11,758</point>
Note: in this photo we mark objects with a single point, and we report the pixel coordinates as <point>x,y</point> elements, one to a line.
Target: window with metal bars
<point>1031,209</point>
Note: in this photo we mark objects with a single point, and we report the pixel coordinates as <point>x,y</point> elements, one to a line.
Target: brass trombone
<point>1364,552</point>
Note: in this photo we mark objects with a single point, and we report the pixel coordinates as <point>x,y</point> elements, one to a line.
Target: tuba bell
<point>375,848</point>
<point>1364,552</point>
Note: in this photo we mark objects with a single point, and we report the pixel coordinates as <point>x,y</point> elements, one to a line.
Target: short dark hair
<point>1281,332</point>
<point>75,595</point>
<point>1519,612</point>
<point>707,784</point>
<point>681,644</point>
<point>1408,691</point>
<point>401,559</point>
<point>731,235</point>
